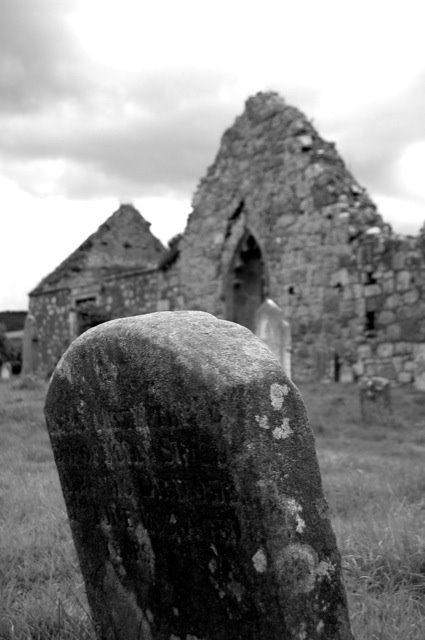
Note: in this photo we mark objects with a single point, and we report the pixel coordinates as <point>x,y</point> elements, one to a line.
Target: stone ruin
<point>192,486</point>
<point>278,215</point>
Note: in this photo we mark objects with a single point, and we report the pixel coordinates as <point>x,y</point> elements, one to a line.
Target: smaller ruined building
<point>278,215</point>
<point>111,275</point>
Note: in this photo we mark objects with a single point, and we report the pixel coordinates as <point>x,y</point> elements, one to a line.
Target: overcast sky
<point>103,101</point>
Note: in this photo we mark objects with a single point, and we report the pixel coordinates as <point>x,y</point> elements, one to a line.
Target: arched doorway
<point>245,290</point>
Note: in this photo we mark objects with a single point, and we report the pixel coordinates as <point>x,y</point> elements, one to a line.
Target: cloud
<point>373,142</point>
<point>74,127</point>
<point>161,134</point>
<point>39,60</point>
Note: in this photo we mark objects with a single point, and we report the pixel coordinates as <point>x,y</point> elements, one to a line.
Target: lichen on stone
<point>259,561</point>
<point>284,431</point>
<point>263,422</point>
<point>295,509</point>
<point>277,394</point>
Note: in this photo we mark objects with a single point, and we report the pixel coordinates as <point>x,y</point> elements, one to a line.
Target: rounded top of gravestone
<point>203,343</point>
<point>271,308</point>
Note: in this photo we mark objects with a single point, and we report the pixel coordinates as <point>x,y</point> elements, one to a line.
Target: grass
<point>373,476</point>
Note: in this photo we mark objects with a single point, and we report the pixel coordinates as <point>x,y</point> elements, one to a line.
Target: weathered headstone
<point>6,371</point>
<point>346,374</point>
<point>419,355</point>
<point>30,346</point>
<point>192,486</point>
<point>376,400</point>
<point>271,326</point>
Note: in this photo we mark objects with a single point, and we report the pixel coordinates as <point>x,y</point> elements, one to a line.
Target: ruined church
<point>278,215</point>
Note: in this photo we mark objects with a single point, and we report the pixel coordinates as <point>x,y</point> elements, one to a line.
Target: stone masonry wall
<point>131,294</point>
<point>275,177</point>
<point>51,311</point>
<point>56,313</point>
<point>391,286</point>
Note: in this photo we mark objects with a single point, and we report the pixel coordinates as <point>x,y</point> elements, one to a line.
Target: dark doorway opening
<point>89,314</point>
<point>246,282</point>
<point>337,367</point>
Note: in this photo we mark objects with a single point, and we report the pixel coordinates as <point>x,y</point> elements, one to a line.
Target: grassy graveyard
<point>374,479</point>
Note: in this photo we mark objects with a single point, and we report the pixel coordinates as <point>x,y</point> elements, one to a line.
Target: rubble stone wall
<point>51,311</point>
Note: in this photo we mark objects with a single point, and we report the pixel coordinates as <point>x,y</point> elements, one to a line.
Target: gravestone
<point>30,346</point>
<point>271,326</point>
<point>192,486</point>
<point>419,355</point>
<point>6,371</point>
<point>376,400</point>
<point>346,374</point>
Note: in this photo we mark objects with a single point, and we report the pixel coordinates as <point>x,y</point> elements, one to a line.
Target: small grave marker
<point>30,346</point>
<point>419,354</point>
<point>192,486</point>
<point>376,400</point>
<point>271,326</point>
<point>6,371</point>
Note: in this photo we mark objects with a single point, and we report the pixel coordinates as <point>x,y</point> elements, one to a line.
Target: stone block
<point>163,305</point>
<point>399,260</point>
<point>371,290</point>
<point>192,486</point>
<point>403,280</point>
<point>392,302</point>
<point>402,348</point>
<point>397,362</point>
<point>386,317</point>
<point>404,377</point>
<point>385,350</point>
<point>410,297</point>
<point>393,331</point>
<point>388,284</point>
<point>364,351</point>
<point>357,290</point>
<point>340,277</point>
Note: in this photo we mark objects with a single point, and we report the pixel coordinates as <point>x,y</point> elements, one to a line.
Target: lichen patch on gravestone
<point>295,509</point>
<point>259,561</point>
<point>325,569</point>
<point>277,394</point>
<point>263,422</point>
<point>297,567</point>
<point>282,432</point>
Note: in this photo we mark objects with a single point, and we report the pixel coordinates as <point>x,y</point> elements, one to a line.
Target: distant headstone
<point>192,486</point>
<point>30,346</point>
<point>346,374</point>
<point>6,371</point>
<point>322,360</point>
<point>419,355</point>
<point>376,400</point>
<point>275,331</point>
